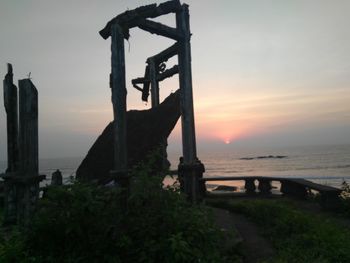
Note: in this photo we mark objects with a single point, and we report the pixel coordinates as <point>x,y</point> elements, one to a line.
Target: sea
<point>328,164</point>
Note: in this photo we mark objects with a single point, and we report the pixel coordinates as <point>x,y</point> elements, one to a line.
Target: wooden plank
<point>131,16</point>
<point>11,107</point>
<point>168,73</point>
<point>119,99</point>
<point>154,83</point>
<point>185,78</point>
<point>164,55</point>
<point>28,128</point>
<point>158,29</point>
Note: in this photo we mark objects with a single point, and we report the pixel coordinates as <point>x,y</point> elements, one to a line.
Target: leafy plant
<point>90,223</point>
<point>297,236</point>
<point>345,198</point>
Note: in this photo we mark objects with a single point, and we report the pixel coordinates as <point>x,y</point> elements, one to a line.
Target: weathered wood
<point>168,73</point>
<point>11,105</point>
<point>159,29</point>
<point>185,77</point>
<point>154,83</point>
<point>119,99</point>
<point>166,54</point>
<point>28,128</point>
<point>131,16</point>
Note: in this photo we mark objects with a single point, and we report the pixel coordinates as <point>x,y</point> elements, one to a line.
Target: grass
<point>296,235</point>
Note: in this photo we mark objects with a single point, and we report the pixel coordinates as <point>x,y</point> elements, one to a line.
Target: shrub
<point>345,198</point>
<point>297,236</point>
<point>89,223</point>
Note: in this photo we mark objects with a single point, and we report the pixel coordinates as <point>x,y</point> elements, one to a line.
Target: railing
<point>295,187</point>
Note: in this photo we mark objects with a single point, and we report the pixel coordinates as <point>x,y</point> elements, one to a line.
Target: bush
<point>345,198</point>
<point>297,236</point>
<point>88,223</point>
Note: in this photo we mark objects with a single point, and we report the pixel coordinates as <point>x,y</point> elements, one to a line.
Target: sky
<point>265,72</point>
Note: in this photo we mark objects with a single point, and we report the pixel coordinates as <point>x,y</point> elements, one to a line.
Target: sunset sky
<point>265,72</point>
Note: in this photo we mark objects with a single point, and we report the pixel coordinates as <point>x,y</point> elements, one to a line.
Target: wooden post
<point>22,185</point>
<point>154,83</point>
<point>185,77</point>
<point>11,107</point>
<point>119,105</point>
<point>187,114</point>
<point>27,183</point>
<point>28,128</point>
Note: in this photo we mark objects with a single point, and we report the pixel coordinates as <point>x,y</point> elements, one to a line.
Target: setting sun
<point>227,141</point>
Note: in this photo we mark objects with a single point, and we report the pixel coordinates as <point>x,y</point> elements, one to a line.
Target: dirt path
<point>255,247</point>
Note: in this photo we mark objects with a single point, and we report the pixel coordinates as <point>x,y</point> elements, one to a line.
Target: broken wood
<point>154,83</point>
<point>159,29</point>
<point>166,54</point>
<point>28,128</point>
<point>129,17</point>
<point>119,100</point>
<point>118,28</point>
<point>185,77</point>
<point>11,104</point>
<point>192,185</point>
<point>168,73</point>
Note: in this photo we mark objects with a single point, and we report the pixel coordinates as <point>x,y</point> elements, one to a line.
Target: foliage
<point>296,235</point>
<point>345,198</point>
<point>89,223</point>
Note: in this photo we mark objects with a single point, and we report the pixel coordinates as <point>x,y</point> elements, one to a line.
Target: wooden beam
<point>11,107</point>
<point>153,72</point>
<point>166,54</point>
<point>149,11</point>
<point>119,99</point>
<point>191,183</point>
<point>158,28</point>
<point>185,78</point>
<point>168,73</point>
<point>28,128</point>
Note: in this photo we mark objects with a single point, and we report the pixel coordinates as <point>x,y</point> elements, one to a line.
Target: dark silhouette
<point>147,130</point>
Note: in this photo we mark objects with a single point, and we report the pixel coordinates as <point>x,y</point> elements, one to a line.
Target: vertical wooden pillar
<point>22,184</point>
<point>27,182</point>
<point>28,128</point>
<point>154,83</point>
<point>11,107</point>
<point>185,77</point>
<point>119,104</point>
<point>191,168</point>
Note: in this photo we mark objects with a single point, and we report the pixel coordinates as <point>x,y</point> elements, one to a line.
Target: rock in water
<point>146,131</point>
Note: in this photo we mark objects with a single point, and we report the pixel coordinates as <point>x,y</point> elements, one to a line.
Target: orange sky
<point>273,71</point>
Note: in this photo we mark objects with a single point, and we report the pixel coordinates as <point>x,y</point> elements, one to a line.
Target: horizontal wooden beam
<point>168,73</point>
<point>165,54</point>
<point>158,28</point>
<point>149,11</point>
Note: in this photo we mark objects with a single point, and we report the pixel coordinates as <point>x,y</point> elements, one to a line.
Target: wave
<point>324,167</point>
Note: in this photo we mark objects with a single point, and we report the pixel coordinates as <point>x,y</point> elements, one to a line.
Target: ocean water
<point>328,165</point>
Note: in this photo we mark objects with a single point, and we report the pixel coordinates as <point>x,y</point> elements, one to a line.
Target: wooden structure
<point>295,187</point>
<point>118,29</point>
<point>21,188</point>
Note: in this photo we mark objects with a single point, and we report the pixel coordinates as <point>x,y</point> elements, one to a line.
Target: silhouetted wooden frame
<point>118,29</point>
